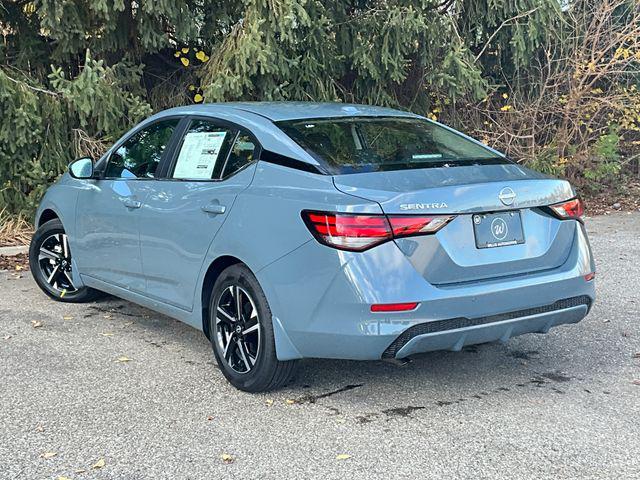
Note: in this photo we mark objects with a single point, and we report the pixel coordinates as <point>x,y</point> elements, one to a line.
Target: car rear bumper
<point>455,333</point>
<point>321,300</point>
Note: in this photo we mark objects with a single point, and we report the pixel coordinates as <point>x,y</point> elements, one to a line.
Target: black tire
<point>264,371</point>
<point>51,238</point>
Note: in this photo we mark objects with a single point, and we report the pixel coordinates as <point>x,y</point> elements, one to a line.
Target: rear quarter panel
<point>265,222</point>
<point>265,225</point>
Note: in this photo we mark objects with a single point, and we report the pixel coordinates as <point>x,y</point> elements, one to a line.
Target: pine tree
<point>76,74</point>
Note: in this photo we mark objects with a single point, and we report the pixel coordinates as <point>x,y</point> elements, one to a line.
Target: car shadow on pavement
<point>525,362</point>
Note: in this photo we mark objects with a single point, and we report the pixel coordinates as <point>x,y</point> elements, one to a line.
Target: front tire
<point>50,264</point>
<point>241,333</point>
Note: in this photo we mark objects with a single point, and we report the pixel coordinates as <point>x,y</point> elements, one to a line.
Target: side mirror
<point>81,168</point>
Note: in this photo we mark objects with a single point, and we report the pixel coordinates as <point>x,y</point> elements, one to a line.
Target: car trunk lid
<point>452,256</point>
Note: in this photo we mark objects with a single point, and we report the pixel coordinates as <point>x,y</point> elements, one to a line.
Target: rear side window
<point>204,148</point>
<point>210,152</point>
<point>140,155</point>
<point>242,153</point>
<point>366,144</point>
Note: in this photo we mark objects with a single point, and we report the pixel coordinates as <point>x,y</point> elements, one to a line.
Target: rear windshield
<point>352,145</point>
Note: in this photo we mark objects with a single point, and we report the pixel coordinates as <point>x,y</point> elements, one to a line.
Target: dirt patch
<point>623,199</point>
<point>14,263</point>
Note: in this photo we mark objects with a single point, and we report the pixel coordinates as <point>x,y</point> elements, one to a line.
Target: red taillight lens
<point>394,307</point>
<point>571,209</point>
<point>346,231</point>
<point>406,225</point>
<point>356,232</point>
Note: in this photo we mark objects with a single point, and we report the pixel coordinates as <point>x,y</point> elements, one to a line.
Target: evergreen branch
<point>30,87</point>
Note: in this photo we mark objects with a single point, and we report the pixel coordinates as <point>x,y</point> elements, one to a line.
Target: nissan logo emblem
<point>507,196</point>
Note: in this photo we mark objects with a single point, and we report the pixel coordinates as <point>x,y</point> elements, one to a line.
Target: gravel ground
<point>117,391</point>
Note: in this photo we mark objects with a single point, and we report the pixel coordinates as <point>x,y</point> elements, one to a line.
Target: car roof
<point>279,111</point>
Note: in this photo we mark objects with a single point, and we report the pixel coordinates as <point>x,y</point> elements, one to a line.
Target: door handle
<point>131,203</point>
<point>214,208</point>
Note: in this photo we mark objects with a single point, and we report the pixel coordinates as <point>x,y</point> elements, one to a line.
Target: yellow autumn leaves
<point>506,107</point>
<point>100,463</point>
<point>203,57</point>
<point>183,55</point>
<point>186,56</point>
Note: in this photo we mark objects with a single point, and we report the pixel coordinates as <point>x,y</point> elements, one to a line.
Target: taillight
<point>572,209</point>
<point>347,231</point>
<point>406,225</point>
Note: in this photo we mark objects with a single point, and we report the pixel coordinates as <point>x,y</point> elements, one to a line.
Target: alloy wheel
<point>54,260</point>
<point>237,329</point>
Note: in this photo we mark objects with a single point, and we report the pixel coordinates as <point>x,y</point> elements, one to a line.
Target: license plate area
<point>498,229</point>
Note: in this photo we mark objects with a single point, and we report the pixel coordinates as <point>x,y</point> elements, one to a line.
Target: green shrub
<point>604,163</point>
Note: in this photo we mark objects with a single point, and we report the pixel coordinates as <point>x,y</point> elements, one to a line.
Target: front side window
<point>361,144</point>
<point>140,155</point>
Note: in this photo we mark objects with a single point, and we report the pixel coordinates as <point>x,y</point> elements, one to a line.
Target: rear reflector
<point>393,307</point>
<point>590,276</point>
<point>573,209</point>
<point>347,231</point>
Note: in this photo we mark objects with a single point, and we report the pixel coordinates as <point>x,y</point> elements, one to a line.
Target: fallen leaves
<point>107,334</point>
<point>99,464</point>
<point>36,323</point>
<point>67,317</point>
<point>268,402</point>
<point>636,355</point>
<point>227,459</point>
<point>16,263</point>
<point>48,455</point>
<point>636,382</point>
<point>63,478</point>
<point>288,401</point>
<point>209,418</point>
<point>6,337</point>
<point>39,428</point>
<point>343,456</point>
<point>123,359</point>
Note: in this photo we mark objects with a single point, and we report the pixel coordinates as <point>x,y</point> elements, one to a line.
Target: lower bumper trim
<point>438,326</point>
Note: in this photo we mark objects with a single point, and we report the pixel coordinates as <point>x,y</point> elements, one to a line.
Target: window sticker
<point>198,155</point>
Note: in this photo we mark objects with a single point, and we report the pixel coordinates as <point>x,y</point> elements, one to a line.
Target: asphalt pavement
<point>110,390</point>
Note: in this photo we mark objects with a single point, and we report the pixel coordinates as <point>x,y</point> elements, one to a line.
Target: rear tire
<point>241,333</point>
<point>50,265</point>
